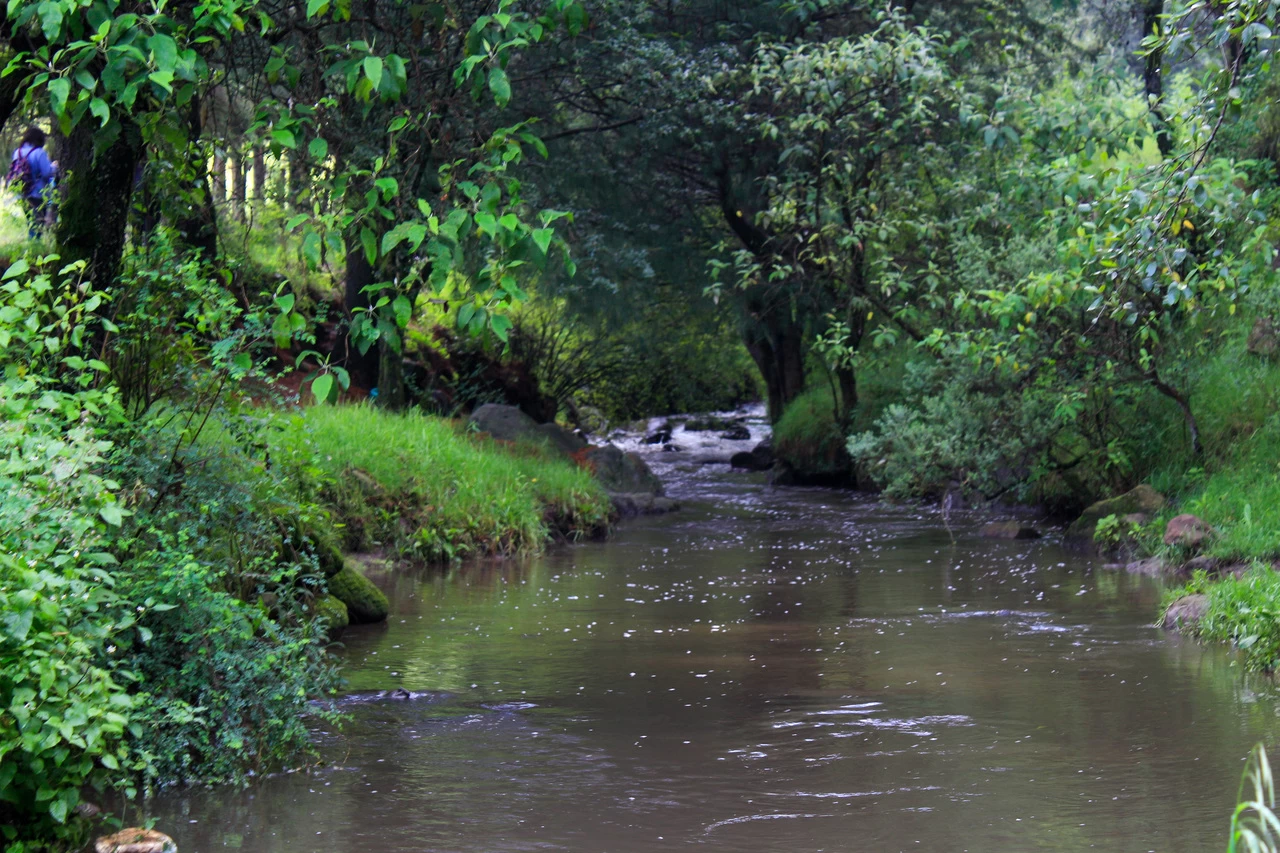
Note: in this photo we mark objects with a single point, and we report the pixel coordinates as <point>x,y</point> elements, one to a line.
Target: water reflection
<point>793,670</point>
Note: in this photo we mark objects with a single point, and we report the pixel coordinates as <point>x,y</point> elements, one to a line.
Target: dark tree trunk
<point>847,380</point>
<point>1153,77</point>
<point>96,200</point>
<point>363,368</point>
<point>777,346</point>
<point>391,390</point>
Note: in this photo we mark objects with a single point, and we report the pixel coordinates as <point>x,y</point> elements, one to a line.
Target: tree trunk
<point>96,201</point>
<point>259,175</point>
<point>847,379</point>
<point>1153,78</point>
<point>237,186</point>
<point>777,347</point>
<point>391,390</point>
<point>363,368</point>
<point>219,180</point>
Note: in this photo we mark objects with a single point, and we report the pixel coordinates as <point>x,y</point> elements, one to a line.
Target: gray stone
<point>1185,612</point>
<point>1143,499</point>
<point>563,440</point>
<point>505,423</point>
<point>1008,530</point>
<point>631,504</point>
<point>1187,531</point>
<point>624,473</point>
<point>1151,567</point>
<point>1262,338</point>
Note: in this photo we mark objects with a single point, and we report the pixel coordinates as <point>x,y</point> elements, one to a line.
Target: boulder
<point>737,433</point>
<point>1187,530</point>
<point>505,423</point>
<point>1185,612</point>
<point>624,473</point>
<point>1142,500</point>
<point>1008,530</point>
<point>365,602</point>
<point>630,504</point>
<point>135,840</point>
<point>331,609</point>
<point>1208,565</point>
<point>1262,338</point>
<point>662,436</point>
<point>559,438</point>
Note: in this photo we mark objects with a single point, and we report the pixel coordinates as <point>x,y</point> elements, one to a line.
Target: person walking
<point>33,173</point>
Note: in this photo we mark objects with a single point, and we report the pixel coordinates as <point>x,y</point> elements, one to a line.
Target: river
<point>767,670</point>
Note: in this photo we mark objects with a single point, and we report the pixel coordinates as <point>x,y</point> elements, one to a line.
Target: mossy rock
<point>1140,503</point>
<point>331,609</point>
<point>365,602</point>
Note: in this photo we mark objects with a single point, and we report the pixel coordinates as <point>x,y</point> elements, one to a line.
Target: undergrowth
<point>420,486</point>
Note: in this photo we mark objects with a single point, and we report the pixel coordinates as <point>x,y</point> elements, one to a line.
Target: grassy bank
<point>422,487</point>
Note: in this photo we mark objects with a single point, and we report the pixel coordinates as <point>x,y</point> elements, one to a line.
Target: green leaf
<point>542,237</point>
<point>403,310</point>
<point>317,7</point>
<point>17,268</point>
<point>164,50</point>
<point>99,109</point>
<point>311,249</point>
<point>370,242</point>
<point>373,70</point>
<point>59,89</point>
<point>322,387</point>
<point>501,326</point>
<point>285,302</point>
<point>242,361</point>
<point>465,313</point>
<point>112,514</point>
<point>318,149</point>
<point>500,86</point>
<point>285,138</point>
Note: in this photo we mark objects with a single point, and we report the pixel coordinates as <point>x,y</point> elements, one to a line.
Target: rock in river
<point>1008,530</point>
<point>135,840</point>
<point>1185,612</point>
<point>365,602</point>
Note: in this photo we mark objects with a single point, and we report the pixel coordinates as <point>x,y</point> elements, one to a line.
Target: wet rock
<point>365,602</point>
<point>624,473</point>
<point>713,460</point>
<point>135,840</point>
<point>331,609</point>
<point>1262,338</point>
<point>629,505</point>
<point>671,448</point>
<point>760,458</point>
<point>738,433</point>
<point>662,436</point>
<point>1008,530</point>
<point>1185,612</point>
<point>1143,500</point>
<point>1187,531</point>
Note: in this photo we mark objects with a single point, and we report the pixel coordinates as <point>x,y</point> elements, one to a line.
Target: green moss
<point>365,603</point>
<point>807,437</point>
<point>331,609</point>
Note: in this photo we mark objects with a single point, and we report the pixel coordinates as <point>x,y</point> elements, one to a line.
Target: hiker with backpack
<point>31,173</point>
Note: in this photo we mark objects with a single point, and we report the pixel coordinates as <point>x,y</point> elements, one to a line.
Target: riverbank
<point>422,488</point>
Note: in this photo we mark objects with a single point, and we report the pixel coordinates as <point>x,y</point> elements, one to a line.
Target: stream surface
<point>766,670</point>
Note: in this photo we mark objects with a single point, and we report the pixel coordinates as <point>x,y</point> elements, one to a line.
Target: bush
<point>65,704</point>
<point>808,438</point>
<point>1243,611</point>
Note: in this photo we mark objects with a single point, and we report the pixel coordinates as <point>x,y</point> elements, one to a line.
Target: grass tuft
<point>421,486</point>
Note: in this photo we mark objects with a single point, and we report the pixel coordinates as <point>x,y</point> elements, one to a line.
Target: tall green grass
<point>419,485</point>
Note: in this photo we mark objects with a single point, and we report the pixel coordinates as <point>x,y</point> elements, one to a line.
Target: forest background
<point>970,251</point>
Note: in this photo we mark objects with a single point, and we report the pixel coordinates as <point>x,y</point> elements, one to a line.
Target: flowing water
<point>766,670</point>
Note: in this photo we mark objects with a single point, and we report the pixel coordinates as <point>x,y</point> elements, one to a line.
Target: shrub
<point>808,438</point>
